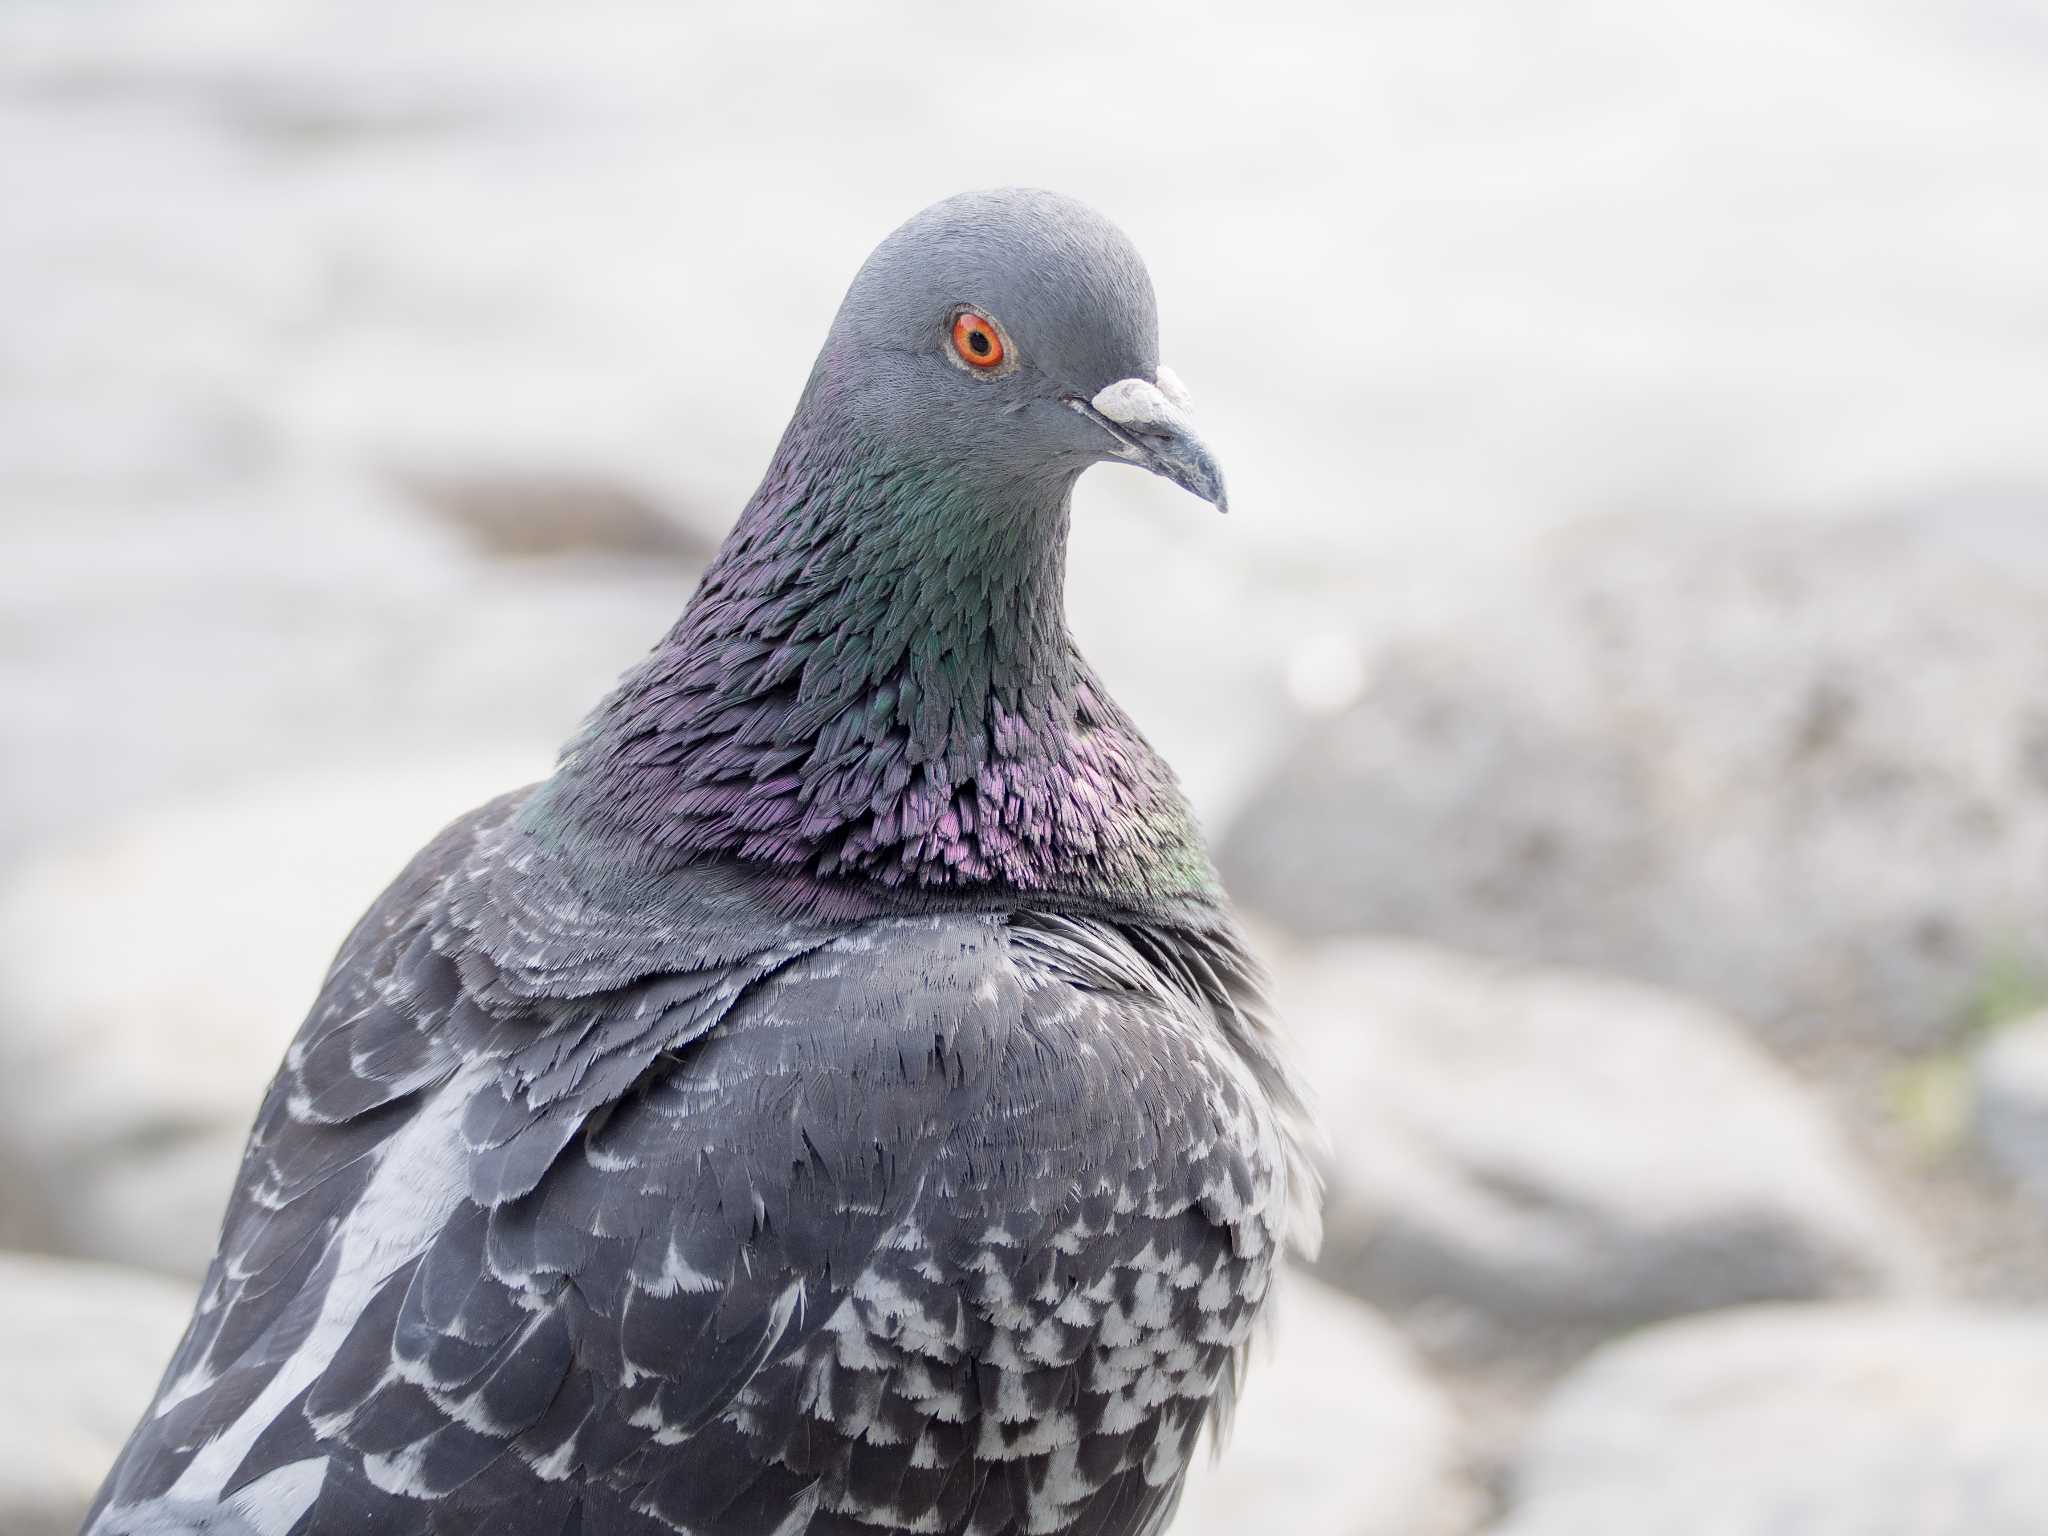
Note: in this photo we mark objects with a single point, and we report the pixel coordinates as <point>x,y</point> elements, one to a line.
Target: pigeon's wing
<point>487,1235</point>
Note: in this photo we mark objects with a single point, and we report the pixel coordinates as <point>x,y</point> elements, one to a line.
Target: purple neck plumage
<point>874,686</point>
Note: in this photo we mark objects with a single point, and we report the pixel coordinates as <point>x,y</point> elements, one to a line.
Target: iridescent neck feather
<point>874,688</point>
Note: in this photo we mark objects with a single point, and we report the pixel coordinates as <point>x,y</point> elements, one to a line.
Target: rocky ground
<point>1622,700</point>
<point>1791,771</point>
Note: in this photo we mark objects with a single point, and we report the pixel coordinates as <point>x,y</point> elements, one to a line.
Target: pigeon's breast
<point>1053,1316</point>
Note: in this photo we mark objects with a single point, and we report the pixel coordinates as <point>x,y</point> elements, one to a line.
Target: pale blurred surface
<point>375,377</point>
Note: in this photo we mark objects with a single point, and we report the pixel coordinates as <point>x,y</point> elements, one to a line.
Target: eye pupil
<point>977,342</point>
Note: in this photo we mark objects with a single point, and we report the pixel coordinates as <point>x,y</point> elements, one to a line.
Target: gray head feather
<point>1075,306</point>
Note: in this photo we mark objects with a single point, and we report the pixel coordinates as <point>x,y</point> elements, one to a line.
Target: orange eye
<point>977,340</point>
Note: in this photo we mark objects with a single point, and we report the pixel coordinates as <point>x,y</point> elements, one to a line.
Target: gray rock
<point>1526,1161</point>
<point>151,977</point>
<point>81,1348</point>
<point>1835,1421</point>
<point>1339,1433</point>
<point>2011,1101</point>
<point>381,641</point>
<point>538,513</point>
<point>1710,758</point>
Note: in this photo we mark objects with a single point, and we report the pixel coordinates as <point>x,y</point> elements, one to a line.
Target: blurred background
<point>1619,694</point>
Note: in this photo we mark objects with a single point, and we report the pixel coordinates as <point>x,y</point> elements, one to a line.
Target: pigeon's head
<point>1014,334</point>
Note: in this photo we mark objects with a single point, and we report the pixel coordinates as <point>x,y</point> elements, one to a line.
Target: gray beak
<point>1154,428</point>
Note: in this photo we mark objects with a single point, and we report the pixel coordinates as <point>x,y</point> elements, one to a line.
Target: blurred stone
<point>144,663</point>
<point>1527,1162</point>
<point>1339,1433</point>
<point>2011,1101</point>
<point>1836,1421</point>
<point>81,1348</point>
<point>1799,769</point>
<point>151,978</point>
<point>539,513</point>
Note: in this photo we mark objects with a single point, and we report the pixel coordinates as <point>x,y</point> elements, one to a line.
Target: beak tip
<point>1211,489</point>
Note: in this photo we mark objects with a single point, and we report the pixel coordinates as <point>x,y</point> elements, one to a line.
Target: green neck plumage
<point>874,685</point>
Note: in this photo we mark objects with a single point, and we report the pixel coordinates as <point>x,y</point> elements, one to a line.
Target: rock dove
<point>838,1100</point>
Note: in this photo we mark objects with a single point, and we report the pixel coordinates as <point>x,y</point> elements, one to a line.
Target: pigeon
<point>839,1099</point>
